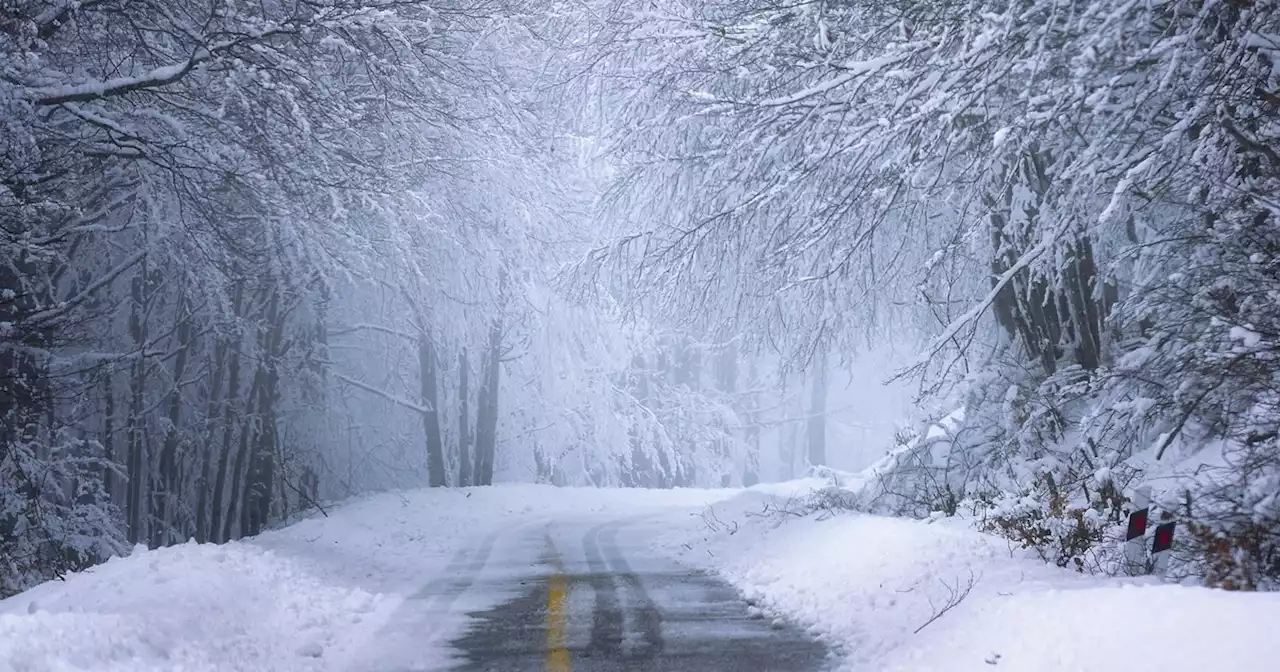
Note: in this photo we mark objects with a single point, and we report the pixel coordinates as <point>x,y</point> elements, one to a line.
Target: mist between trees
<point>259,256</point>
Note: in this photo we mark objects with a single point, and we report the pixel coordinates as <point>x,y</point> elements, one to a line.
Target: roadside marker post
<point>1135,555</point>
<point>1160,545</point>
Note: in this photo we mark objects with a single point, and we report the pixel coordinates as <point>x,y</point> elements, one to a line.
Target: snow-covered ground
<point>309,597</point>
<point>869,585</point>
<point>314,596</point>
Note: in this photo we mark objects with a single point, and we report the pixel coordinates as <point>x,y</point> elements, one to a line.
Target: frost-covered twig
<point>715,524</point>
<point>955,595</point>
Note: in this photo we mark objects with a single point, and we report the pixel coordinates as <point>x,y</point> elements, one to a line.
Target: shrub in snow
<point>1234,527</point>
<point>1082,533</point>
<point>54,516</point>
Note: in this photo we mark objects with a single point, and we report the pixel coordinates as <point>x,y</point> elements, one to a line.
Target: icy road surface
<point>589,593</point>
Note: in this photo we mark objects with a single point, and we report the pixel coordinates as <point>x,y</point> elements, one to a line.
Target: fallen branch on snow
<point>955,595</point>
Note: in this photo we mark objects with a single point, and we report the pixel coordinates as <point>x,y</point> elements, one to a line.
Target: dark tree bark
<point>108,434</point>
<point>237,518</point>
<point>487,410</point>
<point>256,508</point>
<point>204,487</point>
<point>1045,317</point>
<point>164,494</point>
<point>427,367</point>
<point>219,514</point>
<point>135,505</point>
<point>464,421</point>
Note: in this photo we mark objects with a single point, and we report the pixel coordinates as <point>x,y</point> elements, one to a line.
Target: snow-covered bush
<point>54,516</point>
<point>1080,532</point>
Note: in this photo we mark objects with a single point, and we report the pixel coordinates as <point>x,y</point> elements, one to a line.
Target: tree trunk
<point>203,486</point>
<point>236,522</point>
<point>427,365</point>
<point>724,368</point>
<point>464,422</point>
<point>135,505</point>
<point>165,493</point>
<point>817,421</point>
<point>218,513</point>
<point>261,476</point>
<point>751,471</point>
<point>487,411</point>
<point>1045,315</point>
<point>108,435</point>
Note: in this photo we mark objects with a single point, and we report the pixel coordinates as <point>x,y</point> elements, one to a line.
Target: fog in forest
<point>256,257</point>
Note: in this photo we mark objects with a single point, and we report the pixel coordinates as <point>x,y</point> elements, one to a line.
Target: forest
<point>256,257</point>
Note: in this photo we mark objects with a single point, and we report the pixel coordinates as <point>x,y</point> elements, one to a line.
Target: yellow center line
<point>557,654</point>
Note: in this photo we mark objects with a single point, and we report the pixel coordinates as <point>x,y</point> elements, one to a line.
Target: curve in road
<point>644,613</point>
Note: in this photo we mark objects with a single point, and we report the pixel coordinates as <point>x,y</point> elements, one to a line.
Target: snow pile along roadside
<point>187,607</point>
<point>896,594</point>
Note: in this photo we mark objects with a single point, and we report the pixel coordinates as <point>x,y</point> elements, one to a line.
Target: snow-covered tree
<point>1028,183</point>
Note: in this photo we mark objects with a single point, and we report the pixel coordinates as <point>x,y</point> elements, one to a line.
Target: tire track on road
<point>606,617</point>
<point>411,624</point>
<point>647,616</point>
<point>460,574</point>
<point>609,569</point>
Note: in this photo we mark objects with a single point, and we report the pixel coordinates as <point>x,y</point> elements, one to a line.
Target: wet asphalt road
<point>591,596</point>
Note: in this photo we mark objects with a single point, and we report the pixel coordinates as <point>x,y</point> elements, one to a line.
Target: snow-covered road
<point>540,578</point>
<point>591,593</point>
<point>385,582</point>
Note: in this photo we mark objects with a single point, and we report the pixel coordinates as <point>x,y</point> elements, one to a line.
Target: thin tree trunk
<point>261,475</point>
<point>136,433</point>
<point>236,522</point>
<point>166,491</point>
<point>427,366</point>
<point>817,424</point>
<point>218,509</point>
<point>487,411</point>
<point>751,472</point>
<point>238,511</point>
<point>464,424</point>
<point>109,435</point>
<point>725,370</point>
<point>203,486</point>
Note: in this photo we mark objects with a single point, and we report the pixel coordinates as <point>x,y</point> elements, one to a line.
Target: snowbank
<point>188,607</point>
<point>308,597</point>
<point>867,584</point>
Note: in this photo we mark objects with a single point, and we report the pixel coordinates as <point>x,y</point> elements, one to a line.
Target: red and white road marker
<point>1160,545</point>
<point>1135,547</point>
